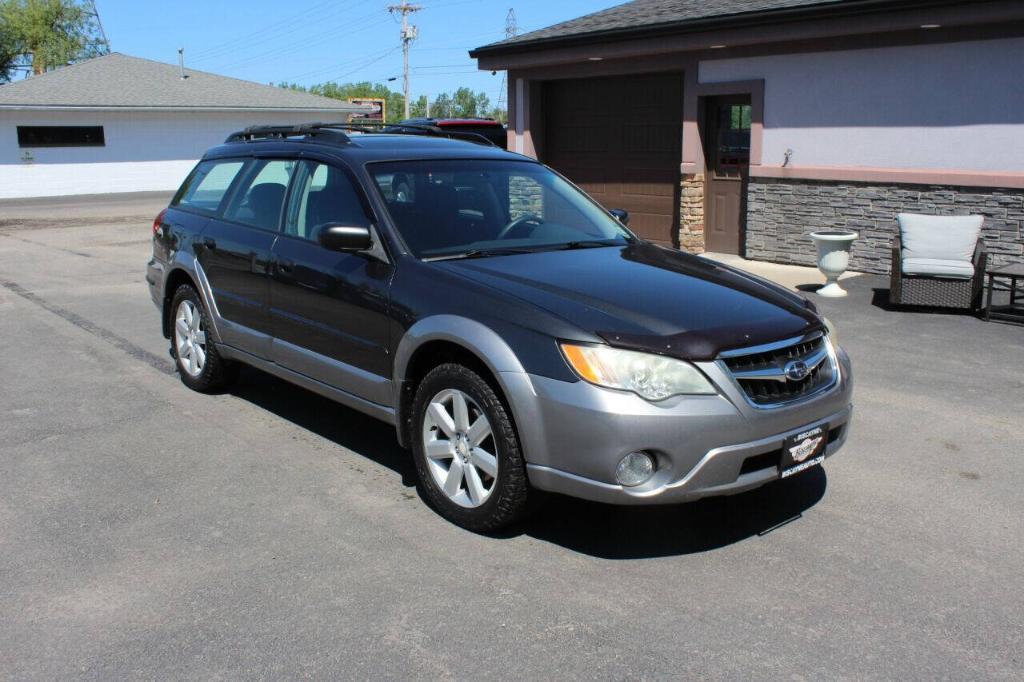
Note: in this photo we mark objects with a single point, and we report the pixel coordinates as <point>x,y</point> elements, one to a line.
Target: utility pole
<point>511,29</point>
<point>409,34</point>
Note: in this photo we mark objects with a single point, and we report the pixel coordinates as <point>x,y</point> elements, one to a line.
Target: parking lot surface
<point>148,531</point>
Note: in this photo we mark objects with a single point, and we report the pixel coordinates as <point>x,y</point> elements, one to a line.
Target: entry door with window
<point>329,309</point>
<point>727,154</point>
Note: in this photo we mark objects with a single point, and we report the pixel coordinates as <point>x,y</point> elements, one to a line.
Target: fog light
<point>634,469</point>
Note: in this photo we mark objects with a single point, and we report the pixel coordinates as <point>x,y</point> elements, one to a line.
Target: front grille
<point>762,372</point>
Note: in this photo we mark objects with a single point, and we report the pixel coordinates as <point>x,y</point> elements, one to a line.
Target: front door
<point>727,155</point>
<point>329,309</point>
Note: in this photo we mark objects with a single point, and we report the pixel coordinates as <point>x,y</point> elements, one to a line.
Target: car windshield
<point>461,209</point>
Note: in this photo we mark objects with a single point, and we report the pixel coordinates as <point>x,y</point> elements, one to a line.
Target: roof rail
<point>437,131</point>
<point>334,132</point>
<point>326,130</point>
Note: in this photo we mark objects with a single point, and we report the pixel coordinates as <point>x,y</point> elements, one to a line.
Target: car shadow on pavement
<point>600,530</point>
<point>617,532</point>
<point>364,435</point>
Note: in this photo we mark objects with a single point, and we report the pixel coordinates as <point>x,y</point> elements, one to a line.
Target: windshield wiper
<point>589,244</point>
<point>480,253</point>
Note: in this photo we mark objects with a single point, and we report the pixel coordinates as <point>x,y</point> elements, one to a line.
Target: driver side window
<point>323,195</point>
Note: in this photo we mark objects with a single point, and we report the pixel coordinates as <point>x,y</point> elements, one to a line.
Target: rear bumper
<point>155,280</point>
<point>574,435</point>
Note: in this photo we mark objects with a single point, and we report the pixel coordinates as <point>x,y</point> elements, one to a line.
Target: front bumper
<point>574,435</point>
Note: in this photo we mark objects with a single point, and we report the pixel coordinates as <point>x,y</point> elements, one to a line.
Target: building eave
<point>829,11</point>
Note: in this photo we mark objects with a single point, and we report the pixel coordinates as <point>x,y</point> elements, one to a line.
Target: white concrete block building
<point>123,124</point>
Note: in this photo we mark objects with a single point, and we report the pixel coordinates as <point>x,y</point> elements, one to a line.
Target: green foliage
<point>46,34</point>
<point>418,108</point>
<point>8,50</point>
<point>463,103</point>
<point>364,90</point>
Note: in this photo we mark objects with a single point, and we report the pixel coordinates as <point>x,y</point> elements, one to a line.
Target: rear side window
<point>205,189</point>
<point>259,200</point>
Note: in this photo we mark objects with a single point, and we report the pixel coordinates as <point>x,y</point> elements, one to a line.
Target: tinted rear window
<point>495,134</point>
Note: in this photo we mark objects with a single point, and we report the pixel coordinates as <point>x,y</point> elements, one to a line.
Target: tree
<point>46,34</point>
<point>463,103</point>
<point>442,106</point>
<point>8,51</point>
<point>364,90</point>
<point>418,107</point>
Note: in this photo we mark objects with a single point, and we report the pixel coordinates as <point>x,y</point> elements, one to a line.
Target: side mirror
<point>345,238</point>
<point>620,214</point>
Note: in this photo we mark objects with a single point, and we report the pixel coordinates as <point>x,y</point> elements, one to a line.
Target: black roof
<point>646,15</point>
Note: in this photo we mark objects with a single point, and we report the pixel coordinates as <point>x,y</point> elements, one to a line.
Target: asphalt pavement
<point>147,531</point>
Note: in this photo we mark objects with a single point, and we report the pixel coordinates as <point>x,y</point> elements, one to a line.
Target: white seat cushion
<point>949,238</point>
<point>938,267</point>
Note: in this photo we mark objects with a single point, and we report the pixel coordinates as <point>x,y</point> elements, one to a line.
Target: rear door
<point>329,310</point>
<point>234,252</point>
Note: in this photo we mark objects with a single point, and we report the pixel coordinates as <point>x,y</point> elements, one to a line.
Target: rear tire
<point>467,452</point>
<point>199,365</point>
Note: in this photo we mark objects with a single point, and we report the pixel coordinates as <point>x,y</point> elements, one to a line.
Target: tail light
<point>158,221</point>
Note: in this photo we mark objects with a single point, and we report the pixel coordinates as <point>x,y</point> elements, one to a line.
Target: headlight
<point>833,334</point>
<point>652,377</point>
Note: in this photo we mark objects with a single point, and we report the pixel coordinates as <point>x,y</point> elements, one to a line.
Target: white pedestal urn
<point>833,258</point>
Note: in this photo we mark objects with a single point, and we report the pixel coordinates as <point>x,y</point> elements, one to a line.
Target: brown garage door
<point>620,139</point>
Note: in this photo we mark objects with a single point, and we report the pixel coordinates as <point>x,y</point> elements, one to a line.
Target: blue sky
<point>313,41</point>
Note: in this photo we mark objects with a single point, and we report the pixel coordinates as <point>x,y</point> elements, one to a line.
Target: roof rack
<point>323,130</point>
<point>438,131</point>
<point>335,132</point>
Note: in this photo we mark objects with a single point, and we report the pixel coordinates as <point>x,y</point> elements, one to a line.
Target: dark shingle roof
<point>645,14</point>
<point>117,80</point>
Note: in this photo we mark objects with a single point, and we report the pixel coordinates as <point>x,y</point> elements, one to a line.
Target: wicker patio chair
<point>938,261</point>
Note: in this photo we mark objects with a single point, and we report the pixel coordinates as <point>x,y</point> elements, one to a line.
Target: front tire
<point>467,452</point>
<point>199,365</point>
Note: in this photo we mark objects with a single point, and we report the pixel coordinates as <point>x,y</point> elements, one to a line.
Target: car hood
<point>648,298</point>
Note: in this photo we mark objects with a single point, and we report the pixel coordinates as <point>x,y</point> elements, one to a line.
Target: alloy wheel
<point>460,449</point>
<point>190,338</point>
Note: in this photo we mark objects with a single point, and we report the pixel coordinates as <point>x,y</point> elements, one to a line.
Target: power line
<point>331,34</point>
<point>299,19</point>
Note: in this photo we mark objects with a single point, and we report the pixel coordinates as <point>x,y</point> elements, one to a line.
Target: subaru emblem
<point>796,370</point>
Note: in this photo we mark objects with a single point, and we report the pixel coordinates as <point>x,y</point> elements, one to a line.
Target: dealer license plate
<point>803,450</point>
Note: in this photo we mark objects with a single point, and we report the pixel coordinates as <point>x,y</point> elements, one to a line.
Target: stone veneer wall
<point>781,213</point>
<point>525,195</point>
<point>691,214</point>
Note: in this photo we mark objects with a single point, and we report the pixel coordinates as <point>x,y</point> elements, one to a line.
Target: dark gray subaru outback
<point>517,335</point>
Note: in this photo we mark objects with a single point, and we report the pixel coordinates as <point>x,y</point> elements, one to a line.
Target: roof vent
<point>181,63</point>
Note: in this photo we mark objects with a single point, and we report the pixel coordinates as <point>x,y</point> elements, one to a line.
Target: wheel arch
<point>189,271</point>
<point>450,338</point>
<point>175,278</point>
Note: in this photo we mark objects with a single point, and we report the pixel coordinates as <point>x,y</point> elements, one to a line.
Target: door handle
<point>284,267</point>
<point>210,243</point>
